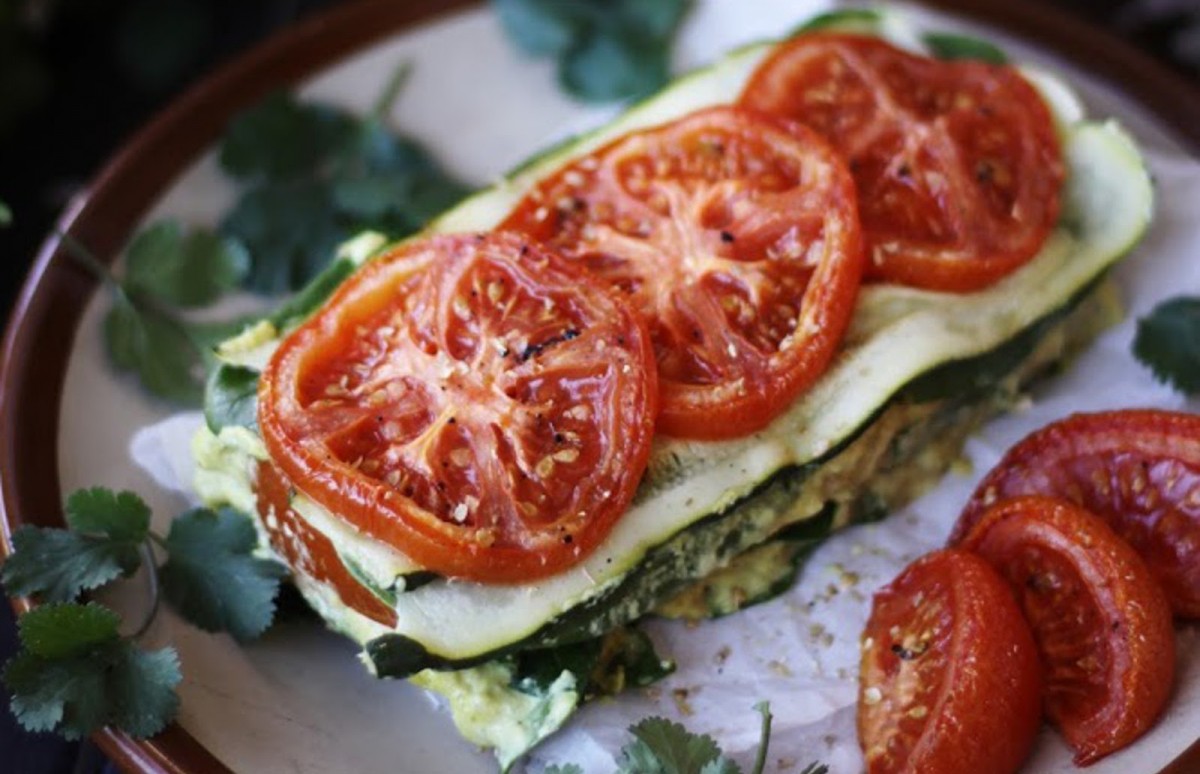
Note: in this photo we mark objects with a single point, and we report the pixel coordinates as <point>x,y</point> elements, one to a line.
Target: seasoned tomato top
<point>472,400</point>
<point>736,236</point>
<point>957,163</point>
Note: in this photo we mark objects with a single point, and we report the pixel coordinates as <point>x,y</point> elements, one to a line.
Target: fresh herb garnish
<point>6,217</point>
<point>605,50</point>
<point>1168,343</point>
<point>212,577</point>
<point>661,746</point>
<point>144,332</point>
<point>75,672</point>
<point>314,176</point>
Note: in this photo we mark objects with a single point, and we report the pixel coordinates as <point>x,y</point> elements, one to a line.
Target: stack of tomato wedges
<point>1065,569</point>
<point>486,403</point>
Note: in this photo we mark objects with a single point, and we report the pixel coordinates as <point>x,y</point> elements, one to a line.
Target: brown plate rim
<point>42,324</point>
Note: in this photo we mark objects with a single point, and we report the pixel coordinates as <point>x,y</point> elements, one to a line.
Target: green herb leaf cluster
<point>605,49</point>
<point>166,269</point>
<point>75,672</point>
<point>661,746</point>
<point>1168,343</point>
<point>313,176</point>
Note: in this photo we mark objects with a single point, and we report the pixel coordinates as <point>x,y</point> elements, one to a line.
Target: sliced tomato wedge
<point>736,235</point>
<point>1101,621</point>
<point>957,163</point>
<point>1139,469</point>
<point>472,400</point>
<point>309,552</point>
<point>949,680</point>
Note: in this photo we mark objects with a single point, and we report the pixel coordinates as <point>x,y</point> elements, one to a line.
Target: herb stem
<point>153,586</point>
<point>391,91</point>
<point>85,258</point>
<point>760,760</point>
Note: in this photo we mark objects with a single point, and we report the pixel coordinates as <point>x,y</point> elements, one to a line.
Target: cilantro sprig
<point>75,671</point>
<point>313,176</point>
<point>661,746</point>
<point>167,269</point>
<point>1168,343</point>
<point>605,49</point>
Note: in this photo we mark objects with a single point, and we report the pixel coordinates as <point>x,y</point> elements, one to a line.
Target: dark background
<point>78,77</point>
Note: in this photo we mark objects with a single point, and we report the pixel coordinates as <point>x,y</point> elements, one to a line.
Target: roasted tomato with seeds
<point>1101,621</point>
<point>957,163</point>
<point>475,401</point>
<point>736,235</point>
<point>308,551</point>
<point>1139,469</point>
<point>949,679</point>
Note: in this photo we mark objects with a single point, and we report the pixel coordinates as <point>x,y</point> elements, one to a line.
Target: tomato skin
<point>957,163</point>
<point>1139,469</point>
<point>308,551</point>
<point>1101,621</point>
<point>949,679</point>
<point>472,400</point>
<point>736,235</point>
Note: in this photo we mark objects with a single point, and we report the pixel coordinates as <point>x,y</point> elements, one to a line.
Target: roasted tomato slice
<point>957,163</point>
<point>1139,469</point>
<point>736,235</point>
<point>950,680</point>
<point>1101,621</point>
<point>473,400</point>
<point>309,552</point>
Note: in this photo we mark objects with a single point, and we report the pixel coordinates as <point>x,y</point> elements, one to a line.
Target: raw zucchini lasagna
<point>649,369</point>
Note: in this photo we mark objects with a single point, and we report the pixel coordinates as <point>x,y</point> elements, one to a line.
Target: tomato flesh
<point>1139,469</point>
<point>736,236</point>
<point>957,163</point>
<point>949,679</point>
<point>308,551</point>
<point>472,400</point>
<point>1101,621</point>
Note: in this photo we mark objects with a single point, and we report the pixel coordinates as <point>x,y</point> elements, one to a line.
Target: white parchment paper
<point>800,652</point>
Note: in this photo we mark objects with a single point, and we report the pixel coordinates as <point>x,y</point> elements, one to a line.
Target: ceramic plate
<point>298,700</point>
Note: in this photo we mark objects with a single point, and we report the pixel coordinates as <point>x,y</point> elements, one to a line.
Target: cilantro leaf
<point>102,545</point>
<point>947,45</point>
<point>6,216</point>
<point>569,768</point>
<point>187,270</point>
<point>282,138</point>
<point>67,629</point>
<point>1168,343</point>
<point>212,578</point>
<point>612,64</point>
<point>664,747</point>
<point>540,27</point>
<point>57,564</point>
<point>290,229</point>
<point>605,49</point>
<point>75,674</point>
<point>231,397</point>
<point>120,516</point>
<point>155,347</point>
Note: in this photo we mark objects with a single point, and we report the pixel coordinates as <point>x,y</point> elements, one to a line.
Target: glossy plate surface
<point>298,700</point>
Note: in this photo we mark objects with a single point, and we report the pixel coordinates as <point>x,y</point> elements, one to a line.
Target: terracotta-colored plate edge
<point>42,324</point>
